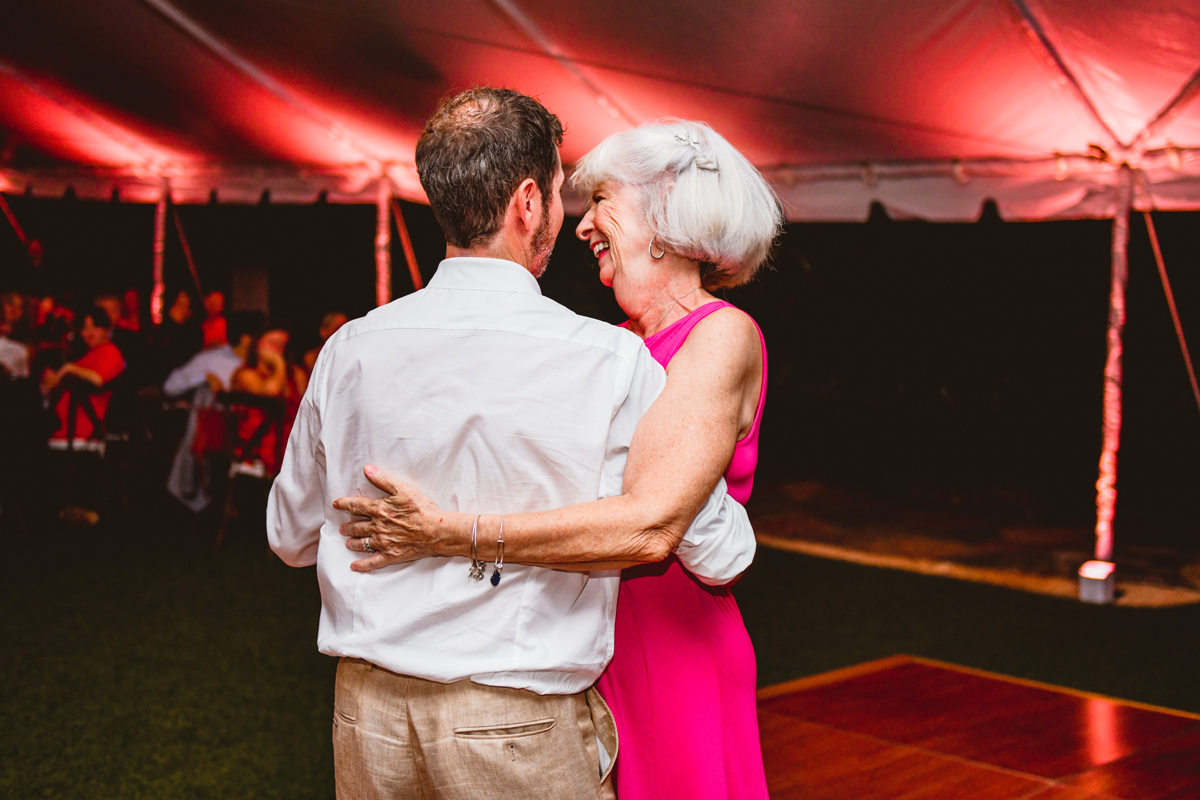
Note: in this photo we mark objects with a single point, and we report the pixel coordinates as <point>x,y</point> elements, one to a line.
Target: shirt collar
<point>484,274</point>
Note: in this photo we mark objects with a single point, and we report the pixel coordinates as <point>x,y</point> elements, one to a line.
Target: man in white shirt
<point>214,366</point>
<point>496,399</point>
<point>204,375</point>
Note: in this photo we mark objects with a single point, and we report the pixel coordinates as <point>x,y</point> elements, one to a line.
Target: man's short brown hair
<point>475,151</point>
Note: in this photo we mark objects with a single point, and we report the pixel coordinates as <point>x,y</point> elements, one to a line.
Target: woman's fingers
<point>358,530</point>
<point>370,563</point>
<point>383,479</point>
<point>358,506</point>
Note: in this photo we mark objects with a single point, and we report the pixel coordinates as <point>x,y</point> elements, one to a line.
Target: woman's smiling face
<point>616,229</point>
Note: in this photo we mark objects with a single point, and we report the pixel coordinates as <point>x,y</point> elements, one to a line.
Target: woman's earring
<point>660,247</point>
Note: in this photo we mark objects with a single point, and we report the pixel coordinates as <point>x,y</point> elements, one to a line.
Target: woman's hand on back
<point>402,526</point>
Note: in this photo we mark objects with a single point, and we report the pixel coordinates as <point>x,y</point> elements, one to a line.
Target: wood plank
<point>1041,685</point>
<point>1071,793</point>
<point>1168,771</point>
<point>1005,724</point>
<point>833,676</point>
<point>816,762</point>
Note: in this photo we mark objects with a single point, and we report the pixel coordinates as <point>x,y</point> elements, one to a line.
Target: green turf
<point>139,665</point>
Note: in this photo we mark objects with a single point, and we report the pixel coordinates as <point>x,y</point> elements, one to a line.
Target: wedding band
<point>367,545</point>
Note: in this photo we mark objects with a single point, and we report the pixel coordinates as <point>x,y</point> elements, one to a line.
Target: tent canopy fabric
<point>929,108</point>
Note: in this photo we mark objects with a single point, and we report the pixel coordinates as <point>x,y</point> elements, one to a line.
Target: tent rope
<point>1162,272</point>
<point>12,220</point>
<point>187,251</point>
<point>406,243</point>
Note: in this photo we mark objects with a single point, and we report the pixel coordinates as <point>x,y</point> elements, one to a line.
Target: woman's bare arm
<point>83,373</point>
<point>679,451</point>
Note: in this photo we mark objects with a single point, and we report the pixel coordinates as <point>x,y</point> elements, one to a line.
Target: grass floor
<point>138,663</point>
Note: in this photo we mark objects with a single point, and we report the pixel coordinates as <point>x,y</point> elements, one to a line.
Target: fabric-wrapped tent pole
<point>160,246</point>
<point>1106,485</point>
<point>383,244</point>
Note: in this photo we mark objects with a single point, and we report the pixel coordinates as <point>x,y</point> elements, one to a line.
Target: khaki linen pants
<point>402,738</point>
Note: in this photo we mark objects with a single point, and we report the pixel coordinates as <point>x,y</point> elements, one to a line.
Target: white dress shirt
<point>492,399</point>
<point>14,356</point>
<point>220,361</point>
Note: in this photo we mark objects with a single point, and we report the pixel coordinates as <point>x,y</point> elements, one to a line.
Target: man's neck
<point>501,247</point>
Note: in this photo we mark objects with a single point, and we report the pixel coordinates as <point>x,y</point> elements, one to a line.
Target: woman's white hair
<point>703,199</point>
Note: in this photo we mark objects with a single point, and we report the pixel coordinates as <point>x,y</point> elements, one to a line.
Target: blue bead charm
<point>496,578</point>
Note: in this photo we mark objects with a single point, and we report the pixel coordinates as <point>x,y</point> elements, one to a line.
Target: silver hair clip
<point>679,137</point>
<point>701,162</point>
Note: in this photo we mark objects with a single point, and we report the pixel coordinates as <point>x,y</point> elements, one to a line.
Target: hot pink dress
<point>682,679</point>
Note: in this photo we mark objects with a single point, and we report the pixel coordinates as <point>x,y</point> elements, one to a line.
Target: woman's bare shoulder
<point>728,332</point>
<point>723,349</point>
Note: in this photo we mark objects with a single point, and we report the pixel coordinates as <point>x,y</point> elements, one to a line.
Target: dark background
<point>939,365</point>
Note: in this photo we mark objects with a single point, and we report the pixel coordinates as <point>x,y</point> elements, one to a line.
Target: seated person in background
<point>112,306</point>
<point>12,309</point>
<point>131,343</point>
<point>215,365</point>
<point>269,372</point>
<point>101,364</point>
<point>14,355</point>
<point>214,329</point>
<point>131,312</point>
<point>178,338</point>
<point>207,374</point>
<point>329,326</point>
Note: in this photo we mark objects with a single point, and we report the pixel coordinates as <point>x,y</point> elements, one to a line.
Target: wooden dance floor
<point>916,729</point>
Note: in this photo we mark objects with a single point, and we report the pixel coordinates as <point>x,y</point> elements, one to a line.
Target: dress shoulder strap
<point>666,343</point>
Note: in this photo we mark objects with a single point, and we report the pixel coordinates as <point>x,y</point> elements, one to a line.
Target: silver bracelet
<point>476,571</point>
<point>499,554</point>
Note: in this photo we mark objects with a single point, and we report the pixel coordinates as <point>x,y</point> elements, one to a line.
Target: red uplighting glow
<point>74,130</point>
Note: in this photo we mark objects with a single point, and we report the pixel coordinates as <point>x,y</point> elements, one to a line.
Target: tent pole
<point>383,244</point>
<point>1106,485</point>
<point>160,245</point>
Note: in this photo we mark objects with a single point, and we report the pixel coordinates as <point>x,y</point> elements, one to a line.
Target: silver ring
<point>367,545</point>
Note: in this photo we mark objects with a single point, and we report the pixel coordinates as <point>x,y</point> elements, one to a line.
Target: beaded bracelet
<point>499,554</point>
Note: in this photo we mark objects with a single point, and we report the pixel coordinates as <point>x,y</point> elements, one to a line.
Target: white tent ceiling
<point>929,108</point>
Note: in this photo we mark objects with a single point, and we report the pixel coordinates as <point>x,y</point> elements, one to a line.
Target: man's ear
<point>528,201</point>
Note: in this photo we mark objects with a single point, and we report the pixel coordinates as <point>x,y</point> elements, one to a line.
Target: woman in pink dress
<point>676,212</point>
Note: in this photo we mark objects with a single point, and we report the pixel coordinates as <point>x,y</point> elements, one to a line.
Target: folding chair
<point>245,441</point>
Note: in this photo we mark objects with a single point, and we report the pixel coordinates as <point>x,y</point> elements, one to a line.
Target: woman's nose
<point>584,229</point>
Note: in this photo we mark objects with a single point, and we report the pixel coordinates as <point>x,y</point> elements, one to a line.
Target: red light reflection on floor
<point>1103,732</point>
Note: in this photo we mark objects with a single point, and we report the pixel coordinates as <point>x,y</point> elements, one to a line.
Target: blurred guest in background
<point>129,341</point>
<point>269,372</point>
<point>214,328</point>
<point>214,366</point>
<point>98,367</point>
<point>14,355</point>
<point>50,322</point>
<point>131,312</point>
<point>178,338</point>
<point>112,306</point>
<point>206,375</point>
<point>329,326</point>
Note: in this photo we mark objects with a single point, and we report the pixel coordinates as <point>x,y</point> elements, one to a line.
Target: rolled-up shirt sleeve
<point>296,508</point>
<point>183,379</point>
<point>719,545</point>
